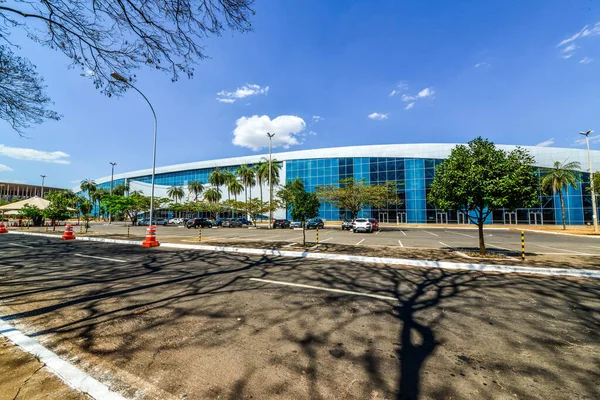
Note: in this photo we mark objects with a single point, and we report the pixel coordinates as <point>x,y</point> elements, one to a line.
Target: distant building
<point>410,166</point>
<point>18,191</point>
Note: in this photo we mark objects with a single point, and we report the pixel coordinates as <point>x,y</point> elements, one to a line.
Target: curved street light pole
<point>270,135</point>
<point>125,81</point>
<point>594,209</point>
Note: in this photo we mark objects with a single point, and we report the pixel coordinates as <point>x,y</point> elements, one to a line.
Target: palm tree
<point>121,189</point>
<point>259,170</point>
<point>97,196</point>
<point>212,195</point>
<point>89,186</point>
<point>559,178</point>
<point>176,193</point>
<point>246,175</point>
<point>217,178</point>
<point>228,177</point>
<point>195,187</point>
<point>234,187</point>
<point>263,173</point>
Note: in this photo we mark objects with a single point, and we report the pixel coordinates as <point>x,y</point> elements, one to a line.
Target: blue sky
<point>372,72</point>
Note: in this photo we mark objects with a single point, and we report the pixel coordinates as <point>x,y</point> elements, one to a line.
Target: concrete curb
<point>560,233</point>
<point>579,273</point>
<point>71,375</point>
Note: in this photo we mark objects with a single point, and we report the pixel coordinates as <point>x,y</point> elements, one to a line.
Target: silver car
<point>362,225</point>
<point>295,224</point>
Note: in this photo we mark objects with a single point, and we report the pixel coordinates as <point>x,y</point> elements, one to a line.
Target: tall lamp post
<point>270,135</point>
<point>43,178</point>
<point>125,81</point>
<point>594,209</point>
<point>112,175</point>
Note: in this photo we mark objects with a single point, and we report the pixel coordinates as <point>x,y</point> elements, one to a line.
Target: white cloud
<point>317,118</point>
<point>251,132</point>
<point>5,168</point>
<point>425,93</point>
<point>586,60</point>
<point>378,116</point>
<point>409,106</point>
<point>569,48</point>
<point>249,89</point>
<point>566,56</point>
<point>400,87</point>
<point>546,143</point>
<point>482,64</point>
<point>586,31</point>
<point>57,157</point>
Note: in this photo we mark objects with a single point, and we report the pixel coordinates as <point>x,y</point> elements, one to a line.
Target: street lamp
<point>270,135</point>
<point>594,210</point>
<point>112,175</point>
<point>125,81</point>
<point>42,193</point>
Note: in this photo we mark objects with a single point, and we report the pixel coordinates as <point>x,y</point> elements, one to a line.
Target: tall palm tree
<point>121,189</point>
<point>97,196</point>
<point>217,178</point>
<point>228,177</point>
<point>234,187</point>
<point>263,173</point>
<point>176,193</point>
<point>259,171</point>
<point>559,178</point>
<point>89,186</point>
<point>212,195</point>
<point>246,175</point>
<point>195,187</point>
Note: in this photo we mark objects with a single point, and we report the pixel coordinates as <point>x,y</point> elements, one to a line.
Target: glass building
<point>410,166</point>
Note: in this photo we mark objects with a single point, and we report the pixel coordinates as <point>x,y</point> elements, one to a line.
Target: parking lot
<point>179,324</point>
<point>500,239</point>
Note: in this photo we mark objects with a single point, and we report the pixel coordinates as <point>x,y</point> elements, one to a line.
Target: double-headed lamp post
<point>125,81</point>
<point>270,135</point>
<point>112,175</point>
<point>42,192</point>
<point>594,209</point>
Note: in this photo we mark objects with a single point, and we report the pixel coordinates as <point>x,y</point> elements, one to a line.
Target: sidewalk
<point>24,377</point>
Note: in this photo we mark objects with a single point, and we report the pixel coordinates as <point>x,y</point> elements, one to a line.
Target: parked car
<point>295,224</point>
<point>374,224</point>
<point>157,221</point>
<point>176,221</point>
<point>198,222</point>
<point>231,223</point>
<point>346,224</point>
<point>217,222</point>
<point>315,223</point>
<point>281,223</point>
<point>362,225</point>
<point>245,221</point>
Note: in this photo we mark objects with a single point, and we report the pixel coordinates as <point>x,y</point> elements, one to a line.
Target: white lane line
<point>66,371</point>
<point>21,245</point>
<point>500,247</point>
<point>461,234</point>
<point>402,232</point>
<point>444,244</point>
<point>553,248</point>
<point>377,233</point>
<point>432,234</point>
<point>375,296</point>
<point>324,240</point>
<point>400,243</point>
<point>362,240</point>
<point>101,258</point>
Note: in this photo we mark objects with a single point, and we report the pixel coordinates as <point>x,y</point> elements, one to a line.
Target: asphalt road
<point>418,238</point>
<point>168,324</point>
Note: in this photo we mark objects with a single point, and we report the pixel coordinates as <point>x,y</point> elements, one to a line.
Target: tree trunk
<point>481,240</point>
<point>562,207</point>
<point>260,186</point>
<point>303,234</point>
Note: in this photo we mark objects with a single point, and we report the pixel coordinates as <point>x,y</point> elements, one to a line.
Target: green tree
<point>88,186</point>
<point>558,179</point>
<point>58,209</point>
<point>176,193</point>
<point>121,189</point>
<point>212,195</point>
<point>84,208</point>
<point>32,213</point>
<point>195,187</point>
<point>288,191</point>
<point>217,178</point>
<point>234,187</point>
<point>478,178</point>
<point>97,195</point>
<point>247,177</point>
<point>132,205</point>
<point>354,195</point>
<point>304,207</point>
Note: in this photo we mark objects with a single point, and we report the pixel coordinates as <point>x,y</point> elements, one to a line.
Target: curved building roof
<point>544,156</point>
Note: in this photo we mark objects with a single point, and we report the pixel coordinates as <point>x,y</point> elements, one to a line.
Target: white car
<point>176,221</point>
<point>362,225</point>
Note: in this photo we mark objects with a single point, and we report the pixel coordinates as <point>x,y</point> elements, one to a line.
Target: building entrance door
<point>536,218</point>
<point>441,218</point>
<point>462,218</point>
<point>383,217</point>
<point>509,217</point>
<point>401,218</point>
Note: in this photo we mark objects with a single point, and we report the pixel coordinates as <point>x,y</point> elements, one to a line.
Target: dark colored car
<point>281,223</point>
<point>245,221</point>
<point>231,223</point>
<point>315,223</point>
<point>346,224</point>
<point>198,222</point>
<point>218,222</point>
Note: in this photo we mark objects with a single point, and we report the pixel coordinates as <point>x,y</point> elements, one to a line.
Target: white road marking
<point>461,234</point>
<point>376,296</point>
<point>444,244</point>
<point>21,245</point>
<point>101,258</point>
<point>362,240</point>
<point>377,233</point>
<point>432,234</point>
<point>324,240</point>
<point>554,248</point>
<point>66,371</point>
<point>499,247</point>
<point>400,243</point>
<point>402,232</point>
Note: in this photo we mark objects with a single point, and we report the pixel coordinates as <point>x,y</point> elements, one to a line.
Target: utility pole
<point>43,178</point>
<point>112,175</point>
<point>594,209</point>
<point>270,135</point>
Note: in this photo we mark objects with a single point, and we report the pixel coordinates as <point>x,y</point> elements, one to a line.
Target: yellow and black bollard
<point>128,231</point>
<point>317,234</point>
<point>200,234</point>
<point>80,228</point>
<point>523,245</point>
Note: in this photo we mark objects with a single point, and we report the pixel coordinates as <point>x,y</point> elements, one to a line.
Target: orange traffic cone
<point>68,235</point>
<point>150,237</point>
<point>3,228</point>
